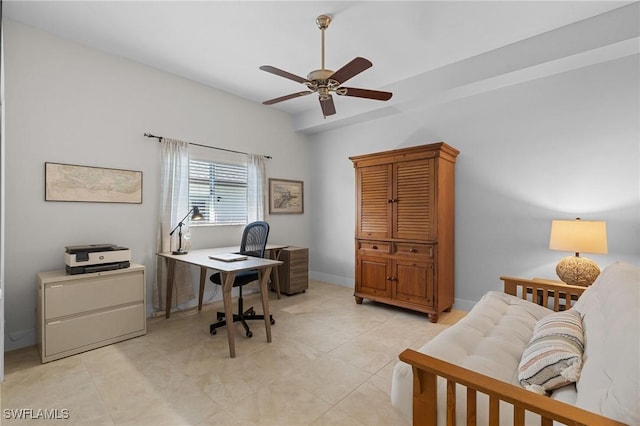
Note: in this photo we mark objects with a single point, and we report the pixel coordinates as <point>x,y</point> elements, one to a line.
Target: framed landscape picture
<point>286,196</point>
<point>68,182</point>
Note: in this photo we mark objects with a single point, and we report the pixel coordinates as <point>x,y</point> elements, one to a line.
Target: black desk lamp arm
<point>181,224</point>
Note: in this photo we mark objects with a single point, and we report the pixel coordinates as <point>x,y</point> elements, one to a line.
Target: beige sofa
<point>479,358</point>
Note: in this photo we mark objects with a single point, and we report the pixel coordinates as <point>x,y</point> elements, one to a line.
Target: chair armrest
<point>427,369</point>
<point>541,291</point>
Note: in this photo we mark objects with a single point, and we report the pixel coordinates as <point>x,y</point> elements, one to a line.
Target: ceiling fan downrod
<point>323,22</point>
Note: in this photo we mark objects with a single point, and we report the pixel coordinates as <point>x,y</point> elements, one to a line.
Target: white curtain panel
<point>256,187</point>
<point>174,205</point>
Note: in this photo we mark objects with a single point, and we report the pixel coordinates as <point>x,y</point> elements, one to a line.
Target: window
<point>219,190</point>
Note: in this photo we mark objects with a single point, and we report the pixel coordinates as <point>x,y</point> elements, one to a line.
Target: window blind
<point>219,190</point>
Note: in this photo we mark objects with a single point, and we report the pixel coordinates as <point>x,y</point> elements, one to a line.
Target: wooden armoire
<point>405,227</point>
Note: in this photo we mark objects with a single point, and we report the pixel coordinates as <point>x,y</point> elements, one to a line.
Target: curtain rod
<point>149,135</point>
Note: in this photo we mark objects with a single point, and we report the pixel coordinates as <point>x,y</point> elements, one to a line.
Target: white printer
<point>96,258</point>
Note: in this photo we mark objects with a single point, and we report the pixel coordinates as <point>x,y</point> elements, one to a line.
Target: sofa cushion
<point>490,339</point>
<point>553,357</point>
<point>609,383</point>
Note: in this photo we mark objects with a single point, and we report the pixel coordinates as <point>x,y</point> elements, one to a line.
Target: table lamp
<point>196,216</point>
<point>578,236</point>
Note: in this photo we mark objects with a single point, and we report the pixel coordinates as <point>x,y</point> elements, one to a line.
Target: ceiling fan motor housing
<point>320,81</point>
<point>319,75</point>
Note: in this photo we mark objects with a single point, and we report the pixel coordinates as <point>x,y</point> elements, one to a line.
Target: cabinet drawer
<point>300,255</point>
<point>75,333</point>
<point>69,298</point>
<point>374,246</point>
<point>424,251</point>
<point>298,263</point>
<point>298,276</point>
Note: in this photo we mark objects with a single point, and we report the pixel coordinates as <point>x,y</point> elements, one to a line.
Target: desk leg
<point>275,255</point>
<point>203,277</point>
<point>228,279</point>
<point>264,291</point>
<point>170,280</point>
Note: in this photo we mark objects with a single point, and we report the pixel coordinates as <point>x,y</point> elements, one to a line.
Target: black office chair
<point>254,241</point>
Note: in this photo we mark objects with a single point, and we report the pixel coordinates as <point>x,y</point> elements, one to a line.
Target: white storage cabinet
<point>77,313</point>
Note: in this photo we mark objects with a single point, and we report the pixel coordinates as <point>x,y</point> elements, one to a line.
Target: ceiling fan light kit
<point>324,82</point>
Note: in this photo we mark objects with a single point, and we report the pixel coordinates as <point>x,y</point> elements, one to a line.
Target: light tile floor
<point>330,363</point>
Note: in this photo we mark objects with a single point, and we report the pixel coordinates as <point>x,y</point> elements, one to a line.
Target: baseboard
<point>19,339</point>
<point>331,279</point>
<point>463,305</point>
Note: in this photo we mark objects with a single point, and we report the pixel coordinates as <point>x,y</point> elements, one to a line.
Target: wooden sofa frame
<point>427,369</point>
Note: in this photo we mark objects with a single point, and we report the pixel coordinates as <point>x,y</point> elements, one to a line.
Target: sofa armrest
<point>427,369</point>
<point>554,295</point>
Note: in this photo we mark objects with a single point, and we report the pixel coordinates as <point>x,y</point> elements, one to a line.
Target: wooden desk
<point>274,251</point>
<point>228,271</point>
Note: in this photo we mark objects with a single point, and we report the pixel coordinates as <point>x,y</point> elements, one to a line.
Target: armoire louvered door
<point>405,227</point>
<point>413,200</point>
<point>374,218</point>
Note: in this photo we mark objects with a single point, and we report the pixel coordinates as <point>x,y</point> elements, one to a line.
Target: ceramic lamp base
<point>576,270</point>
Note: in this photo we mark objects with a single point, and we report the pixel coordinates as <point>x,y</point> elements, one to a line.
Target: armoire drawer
<point>374,246</point>
<point>423,251</point>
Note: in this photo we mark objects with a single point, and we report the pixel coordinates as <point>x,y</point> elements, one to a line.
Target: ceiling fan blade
<point>327,105</point>
<point>285,74</point>
<point>366,93</point>
<point>286,97</point>
<point>353,68</point>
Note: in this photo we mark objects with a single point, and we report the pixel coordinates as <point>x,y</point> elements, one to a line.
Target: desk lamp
<point>196,216</point>
<point>578,236</point>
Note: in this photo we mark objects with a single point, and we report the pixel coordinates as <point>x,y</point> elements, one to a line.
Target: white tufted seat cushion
<point>490,339</point>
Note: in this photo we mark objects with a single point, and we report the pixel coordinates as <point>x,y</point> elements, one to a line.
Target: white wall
<point>70,104</point>
<point>559,147</point>
<point>2,199</point>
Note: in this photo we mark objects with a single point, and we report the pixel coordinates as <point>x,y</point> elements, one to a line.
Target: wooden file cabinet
<point>77,313</point>
<point>294,272</point>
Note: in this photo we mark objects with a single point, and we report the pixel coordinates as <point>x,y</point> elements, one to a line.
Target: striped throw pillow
<point>553,357</point>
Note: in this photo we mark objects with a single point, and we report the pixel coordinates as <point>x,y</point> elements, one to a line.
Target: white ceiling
<point>222,43</point>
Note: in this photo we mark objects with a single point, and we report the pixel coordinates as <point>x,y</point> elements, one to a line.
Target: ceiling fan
<point>325,82</point>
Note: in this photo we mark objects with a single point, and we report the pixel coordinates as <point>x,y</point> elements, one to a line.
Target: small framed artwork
<point>68,182</point>
<point>286,196</point>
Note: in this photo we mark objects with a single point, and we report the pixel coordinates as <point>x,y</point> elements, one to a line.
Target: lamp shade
<point>579,236</point>
<point>196,214</point>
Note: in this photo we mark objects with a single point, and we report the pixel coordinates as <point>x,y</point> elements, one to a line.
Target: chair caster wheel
<point>213,332</point>
<point>219,318</point>
<point>249,334</point>
<point>273,321</point>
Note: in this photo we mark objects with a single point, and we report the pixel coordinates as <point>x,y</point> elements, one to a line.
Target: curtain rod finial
<point>149,135</point>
